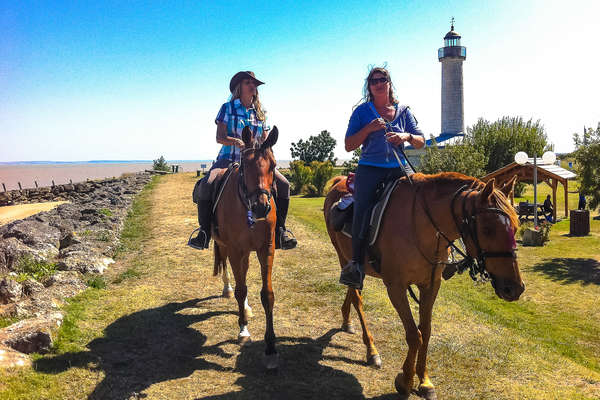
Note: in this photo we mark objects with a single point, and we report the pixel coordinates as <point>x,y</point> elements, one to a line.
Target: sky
<point>115,80</point>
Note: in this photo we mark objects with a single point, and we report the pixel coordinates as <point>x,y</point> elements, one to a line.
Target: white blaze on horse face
<point>510,233</point>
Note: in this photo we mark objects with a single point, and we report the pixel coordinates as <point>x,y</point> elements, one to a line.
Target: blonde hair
<point>237,93</point>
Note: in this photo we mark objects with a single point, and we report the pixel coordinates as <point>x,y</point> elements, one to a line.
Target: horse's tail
<point>220,261</point>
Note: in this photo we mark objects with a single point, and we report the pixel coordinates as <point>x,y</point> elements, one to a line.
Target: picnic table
<point>527,209</point>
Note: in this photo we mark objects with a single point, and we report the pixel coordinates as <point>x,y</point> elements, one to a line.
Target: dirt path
<point>12,213</point>
<point>169,335</point>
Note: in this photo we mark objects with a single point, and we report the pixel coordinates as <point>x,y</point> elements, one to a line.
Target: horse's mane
<point>446,182</point>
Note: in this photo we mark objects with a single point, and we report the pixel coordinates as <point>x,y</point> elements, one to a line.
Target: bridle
<point>467,228</point>
<point>250,200</point>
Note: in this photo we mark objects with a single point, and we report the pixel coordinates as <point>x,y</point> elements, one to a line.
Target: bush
<point>160,164</point>
<point>322,172</point>
<point>519,189</point>
<point>27,267</point>
<point>300,176</point>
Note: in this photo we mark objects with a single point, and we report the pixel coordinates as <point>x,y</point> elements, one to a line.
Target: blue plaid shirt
<point>236,117</point>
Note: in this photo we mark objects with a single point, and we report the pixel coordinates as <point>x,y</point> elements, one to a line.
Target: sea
<point>31,174</point>
<point>45,173</point>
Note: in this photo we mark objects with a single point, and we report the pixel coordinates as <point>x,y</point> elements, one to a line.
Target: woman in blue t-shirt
<point>381,126</point>
<point>243,110</point>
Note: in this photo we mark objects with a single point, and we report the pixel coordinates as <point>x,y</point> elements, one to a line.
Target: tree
<point>458,157</point>
<point>315,148</point>
<point>587,164</point>
<point>160,164</point>
<point>322,172</point>
<point>499,141</point>
<point>350,166</point>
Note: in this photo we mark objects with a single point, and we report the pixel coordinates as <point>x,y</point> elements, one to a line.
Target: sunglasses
<point>375,81</point>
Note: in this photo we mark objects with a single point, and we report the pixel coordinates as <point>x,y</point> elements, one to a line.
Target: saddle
<point>341,212</point>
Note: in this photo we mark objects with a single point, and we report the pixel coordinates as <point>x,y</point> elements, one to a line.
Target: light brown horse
<point>245,222</point>
<point>412,250</point>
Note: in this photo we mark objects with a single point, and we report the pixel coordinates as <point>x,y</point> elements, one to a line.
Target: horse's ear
<point>509,186</point>
<point>247,137</point>
<point>487,191</point>
<point>271,139</point>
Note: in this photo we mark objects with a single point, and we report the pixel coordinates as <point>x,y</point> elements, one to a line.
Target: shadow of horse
<point>301,374</point>
<point>571,270</point>
<point>141,349</point>
<point>158,344</point>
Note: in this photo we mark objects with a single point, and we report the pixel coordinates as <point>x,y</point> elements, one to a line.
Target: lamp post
<point>521,158</point>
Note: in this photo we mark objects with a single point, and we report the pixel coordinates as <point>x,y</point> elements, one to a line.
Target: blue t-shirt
<point>376,150</point>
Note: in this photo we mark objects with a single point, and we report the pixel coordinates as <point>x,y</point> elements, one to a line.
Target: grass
<point>106,212</point>
<point>166,334</point>
<point>29,268</point>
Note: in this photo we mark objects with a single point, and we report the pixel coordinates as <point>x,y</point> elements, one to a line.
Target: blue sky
<point>86,80</point>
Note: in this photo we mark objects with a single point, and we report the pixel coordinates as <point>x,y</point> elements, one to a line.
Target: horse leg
<point>373,357</point>
<point>239,266</point>
<point>346,324</point>
<point>227,289</point>
<point>405,379</point>
<point>265,256</point>
<point>427,296</point>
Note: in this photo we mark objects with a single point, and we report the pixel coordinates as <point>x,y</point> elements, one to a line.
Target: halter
<point>467,227</point>
<point>251,199</point>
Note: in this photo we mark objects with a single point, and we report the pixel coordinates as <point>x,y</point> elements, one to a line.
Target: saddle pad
<point>222,183</point>
<point>376,214</point>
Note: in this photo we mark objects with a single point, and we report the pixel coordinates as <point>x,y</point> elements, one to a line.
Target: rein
<point>467,227</point>
<point>251,199</point>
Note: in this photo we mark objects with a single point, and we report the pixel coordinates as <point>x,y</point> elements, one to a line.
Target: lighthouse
<point>452,56</point>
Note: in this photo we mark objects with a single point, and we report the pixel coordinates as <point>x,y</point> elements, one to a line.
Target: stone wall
<point>69,191</point>
<point>77,239</point>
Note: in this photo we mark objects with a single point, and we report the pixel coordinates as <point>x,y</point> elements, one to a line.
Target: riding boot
<point>352,275</point>
<point>284,239</point>
<point>202,240</point>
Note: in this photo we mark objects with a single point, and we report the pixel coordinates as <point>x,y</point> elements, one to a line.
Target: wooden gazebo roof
<point>550,173</point>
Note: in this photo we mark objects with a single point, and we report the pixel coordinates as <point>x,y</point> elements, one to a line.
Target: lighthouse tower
<point>452,56</point>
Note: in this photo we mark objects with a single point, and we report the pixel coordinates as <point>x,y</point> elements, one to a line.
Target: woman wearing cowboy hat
<point>244,109</point>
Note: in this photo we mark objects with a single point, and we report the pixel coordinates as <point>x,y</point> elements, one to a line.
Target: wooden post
<point>554,187</point>
<point>71,181</point>
<point>53,183</point>
<point>566,186</point>
<point>36,185</point>
<point>20,188</point>
<point>4,186</point>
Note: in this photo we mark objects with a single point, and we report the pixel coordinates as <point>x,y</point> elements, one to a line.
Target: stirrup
<point>289,244</point>
<point>198,244</point>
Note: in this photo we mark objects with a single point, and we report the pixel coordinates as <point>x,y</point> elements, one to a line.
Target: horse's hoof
<point>428,393</point>
<point>244,340</point>
<point>271,361</point>
<point>348,328</point>
<point>228,293</point>
<point>399,383</point>
<point>374,361</point>
<point>249,313</point>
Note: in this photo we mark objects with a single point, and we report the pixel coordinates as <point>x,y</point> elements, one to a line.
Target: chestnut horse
<point>245,222</point>
<point>421,219</point>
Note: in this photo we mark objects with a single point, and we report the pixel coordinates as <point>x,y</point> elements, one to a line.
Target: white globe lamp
<point>521,158</point>
<point>549,157</point>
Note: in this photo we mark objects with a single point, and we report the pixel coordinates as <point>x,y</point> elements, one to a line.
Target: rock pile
<point>43,259</point>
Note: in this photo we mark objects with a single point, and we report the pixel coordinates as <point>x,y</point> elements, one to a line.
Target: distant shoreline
<point>44,173</point>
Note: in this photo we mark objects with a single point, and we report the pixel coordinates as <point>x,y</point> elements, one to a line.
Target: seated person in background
<point>548,208</point>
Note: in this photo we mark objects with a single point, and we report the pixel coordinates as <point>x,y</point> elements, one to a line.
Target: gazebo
<point>550,173</point>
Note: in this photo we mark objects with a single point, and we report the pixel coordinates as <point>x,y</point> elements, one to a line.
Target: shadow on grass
<point>142,349</point>
<point>158,344</point>
<point>571,270</point>
<point>300,375</point>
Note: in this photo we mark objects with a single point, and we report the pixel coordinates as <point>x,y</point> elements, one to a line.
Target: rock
<point>532,237</point>
<point>35,234</point>
<point>62,278</point>
<point>85,263</point>
<point>32,335</point>
<point>10,358</point>
<point>69,239</point>
<point>10,291</point>
<point>8,310</point>
<point>31,286</point>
